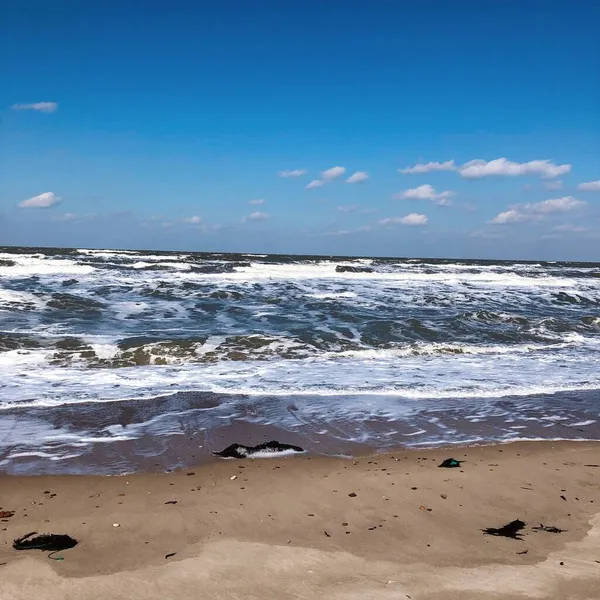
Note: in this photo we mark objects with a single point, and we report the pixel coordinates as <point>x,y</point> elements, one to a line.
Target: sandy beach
<point>385,526</point>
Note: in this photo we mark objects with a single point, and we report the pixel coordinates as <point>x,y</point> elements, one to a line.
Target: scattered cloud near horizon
<point>44,107</point>
<point>45,200</point>
<point>590,186</point>
<point>333,173</point>
<point>75,218</point>
<point>194,220</point>
<point>429,167</point>
<point>357,177</point>
<point>564,204</point>
<point>571,228</point>
<point>315,183</point>
<point>479,168</point>
<point>257,201</point>
<point>293,173</point>
<point>363,229</point>
<point>426,192</point>
<point>412,219</point>
<point>535,211</point>
<point>66,217</point>
<point>257,216</point>
<point>510,216</point>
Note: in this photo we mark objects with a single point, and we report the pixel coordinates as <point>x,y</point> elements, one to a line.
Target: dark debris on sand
<point>451,463</point>
<point>241,451</point>
<point>548,529</point>
<point>510,530</point>
<point>47,541</point>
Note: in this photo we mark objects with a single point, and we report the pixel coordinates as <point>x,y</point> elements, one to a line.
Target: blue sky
<point>162,125</point>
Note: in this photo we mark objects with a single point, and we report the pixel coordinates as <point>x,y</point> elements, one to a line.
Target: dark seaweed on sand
<point>548,529</point>
<point>510,530</point>
<point>47,541</point>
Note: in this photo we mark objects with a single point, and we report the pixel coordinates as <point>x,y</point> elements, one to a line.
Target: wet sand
<point>386,526</point>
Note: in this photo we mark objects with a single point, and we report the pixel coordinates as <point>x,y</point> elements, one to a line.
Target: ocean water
<point>114,360</point>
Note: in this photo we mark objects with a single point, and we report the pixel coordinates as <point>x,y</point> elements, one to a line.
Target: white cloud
<point>511,216</point>
<point>590,186</point>
<point>536,210</point>
<point>553,185</point>
<point>478,168</point>
<point>258,201</point>
<point>66,217</point>
<point>572,228</point>
<point>45,200</point>
<point>339,232</point>
<point>426,192</point>
<point>193,220</point>
<point>45,107</point>
<point>315,183</point>
<point>428,167</point>
<point>555,205</point>
<point>363,229</point>
<point>257,216</point>
<point>357,177</point>
<point>292,173</point>
<point>74,218</point>
<point>349,208</point>
<point>390,221</point>
<point>333,173</point>
<point>412,219</point>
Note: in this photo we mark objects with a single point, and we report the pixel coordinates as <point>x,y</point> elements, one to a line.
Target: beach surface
<point>386,526</point>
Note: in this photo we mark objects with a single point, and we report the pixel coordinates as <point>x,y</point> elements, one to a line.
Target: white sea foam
<point>327,269</point>
<point>15,300</point>
<point>28,265</point>
<point>182,266</point>
<point>332,295</point>
<point>445,376</point>
<point>106,253</point>
<point>432,349</point>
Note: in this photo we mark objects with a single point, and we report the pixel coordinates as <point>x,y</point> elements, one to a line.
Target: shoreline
<point>183,430</point>
<point>209,459</point>
<point>317,527</point>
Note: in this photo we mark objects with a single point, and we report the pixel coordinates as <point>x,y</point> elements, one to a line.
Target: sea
<point>114,361</point>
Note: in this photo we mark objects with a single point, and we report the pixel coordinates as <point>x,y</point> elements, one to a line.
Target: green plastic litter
<point>450,463</point>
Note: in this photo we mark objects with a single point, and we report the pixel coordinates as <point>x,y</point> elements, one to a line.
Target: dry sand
<point>384,527</point>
